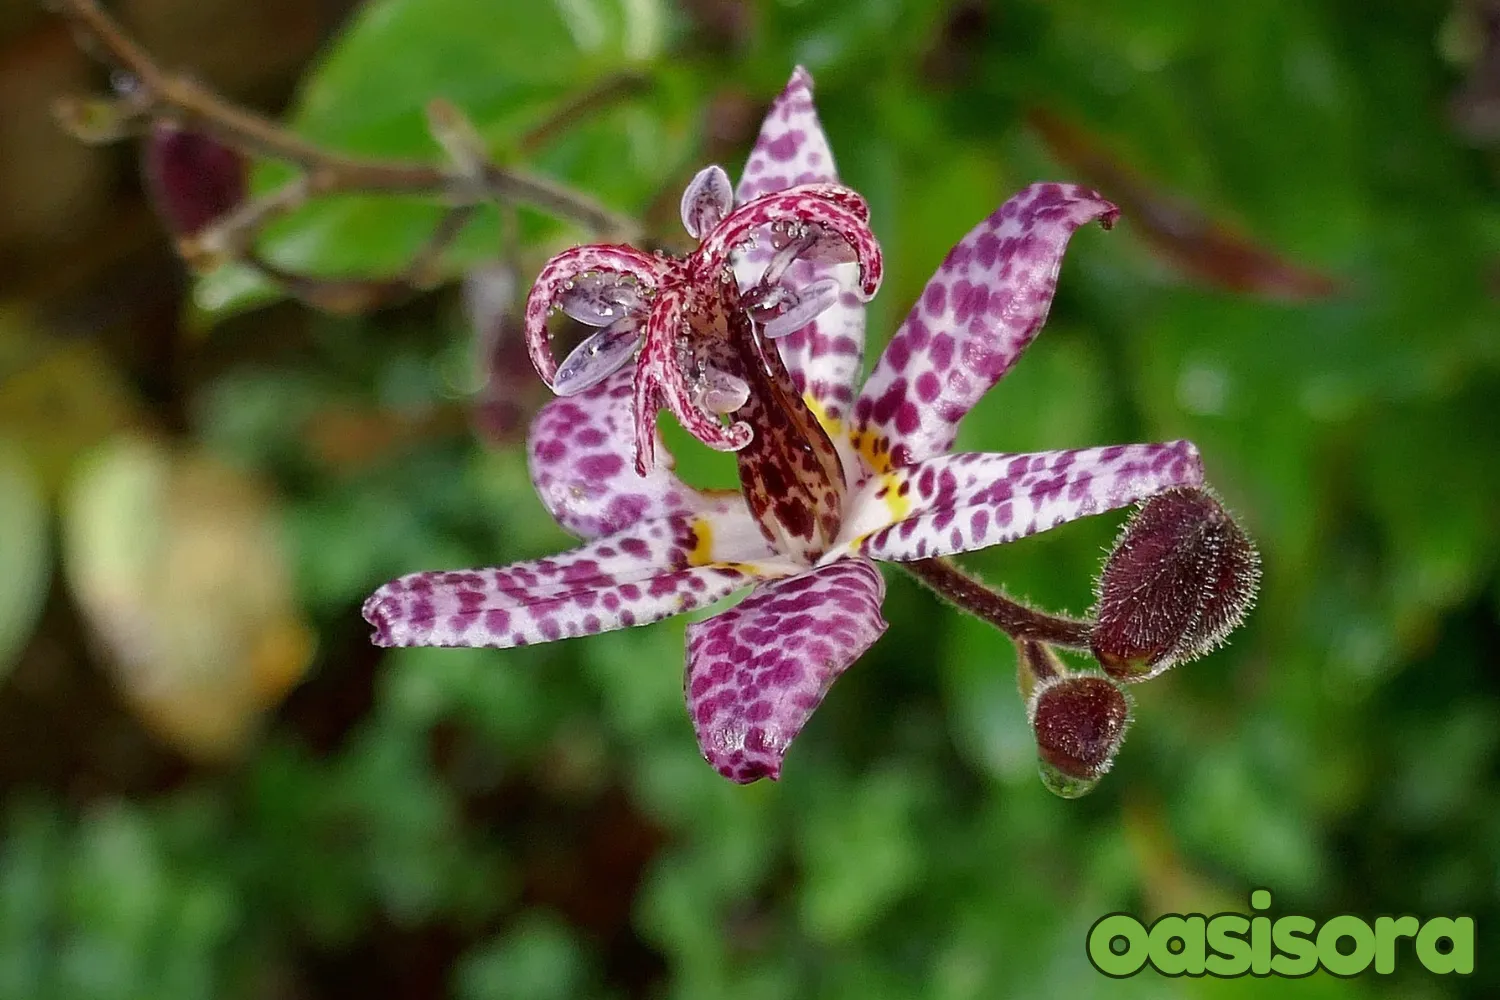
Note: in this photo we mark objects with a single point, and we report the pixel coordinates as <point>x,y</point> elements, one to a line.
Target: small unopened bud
<point>193,178</point>
<point>1079,721</point>
<point>453,130</point>
<point>1182,576</point>
<point>95,120</point>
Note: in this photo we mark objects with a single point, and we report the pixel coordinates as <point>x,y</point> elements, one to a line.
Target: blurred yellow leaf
<point>178,565</point>
<point>25,562</point>
<point>57,399</point>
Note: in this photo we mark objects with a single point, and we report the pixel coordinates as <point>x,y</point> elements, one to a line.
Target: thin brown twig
<point>1011,617</point>
<point>423,269</point>
<point>602,95</point>
<point>162,95</point>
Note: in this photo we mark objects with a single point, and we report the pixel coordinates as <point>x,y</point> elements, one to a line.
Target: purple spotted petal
<point>599,356</point>
<point>958,503</point>
<point>798,308</point>
<point>708,198</point>
<point>582,463</point>
<point>651,571</point>
<point>757,671</point>
<point>824,357</point>
<point>792,148</point>
<point>986,302</point>
<point>601,298</point>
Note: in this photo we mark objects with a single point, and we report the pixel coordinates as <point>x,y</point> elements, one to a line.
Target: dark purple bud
<point>193,179</point>
<point>1079,721</point>
<point>1182,576</point>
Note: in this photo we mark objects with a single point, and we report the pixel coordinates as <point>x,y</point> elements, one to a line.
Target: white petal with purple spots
<point>757,671</point>
<point>791,148</point>
<point>824,355</point>
<point>958,503</point>
<point>986,302</point>
<point>654,570</point>
<point>581,455</point>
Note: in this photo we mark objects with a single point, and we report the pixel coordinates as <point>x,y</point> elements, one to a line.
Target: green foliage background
<point>537,823</point>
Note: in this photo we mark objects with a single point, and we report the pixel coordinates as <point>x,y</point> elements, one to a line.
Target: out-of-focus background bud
<point>178,564</point>
<point>194,179</point>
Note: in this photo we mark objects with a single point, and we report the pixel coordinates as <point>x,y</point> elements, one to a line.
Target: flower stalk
<point>1019,621</point>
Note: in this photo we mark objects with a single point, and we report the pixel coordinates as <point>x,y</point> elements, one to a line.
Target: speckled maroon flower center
<point>700,339</point>
<point>790,472</point>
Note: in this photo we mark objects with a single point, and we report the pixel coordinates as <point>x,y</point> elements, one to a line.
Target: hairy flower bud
<point>193,179</point>
<point>1182,576</point>
<point>1079,721</point>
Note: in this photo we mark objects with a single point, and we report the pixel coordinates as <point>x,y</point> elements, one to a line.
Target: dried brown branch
<point>602,95</point>
<point>468,180</point>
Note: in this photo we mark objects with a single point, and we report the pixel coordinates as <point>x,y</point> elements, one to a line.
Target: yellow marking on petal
<point>702,552</point>
<point>890,487</point>
<point>874,449</point>
<point>831,425</point>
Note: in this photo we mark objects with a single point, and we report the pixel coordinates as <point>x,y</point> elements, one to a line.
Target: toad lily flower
<point>831,480</point>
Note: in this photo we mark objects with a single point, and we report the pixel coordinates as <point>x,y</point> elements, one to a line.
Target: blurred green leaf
<point>860,854</point>
<point>537,960</point>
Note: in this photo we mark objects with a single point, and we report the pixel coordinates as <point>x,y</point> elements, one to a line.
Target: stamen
<point>670,373</point>
<point>599,298</point>
<point>720,392</point>
<point>598,357</point>
<point>646,273</point>
<point>798,238</point>
<point>836,218</point>
<point>814,298</point>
